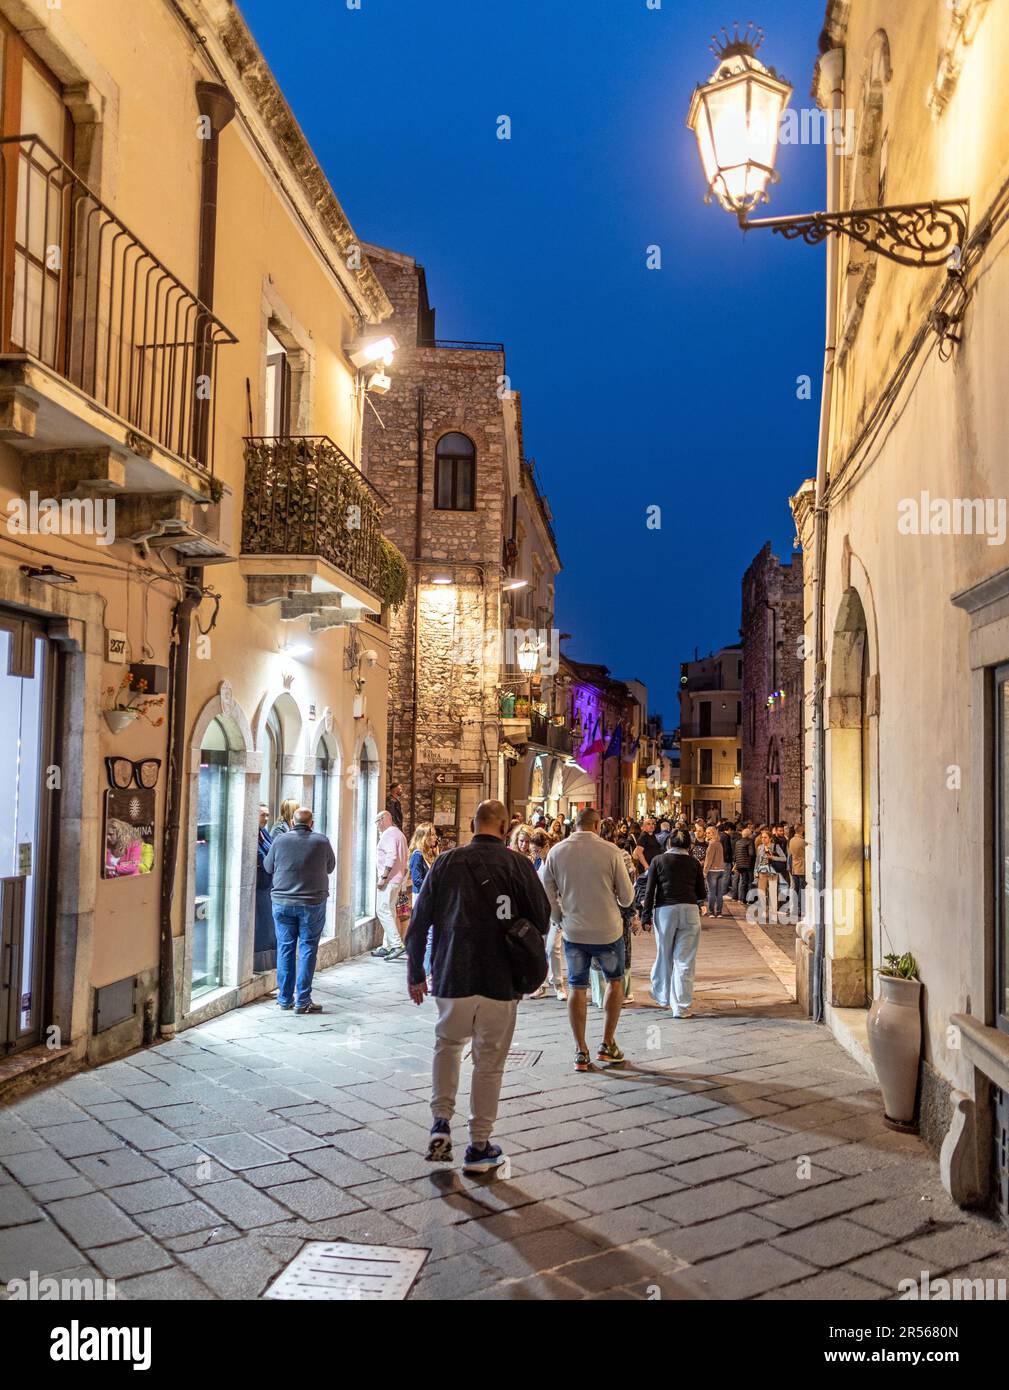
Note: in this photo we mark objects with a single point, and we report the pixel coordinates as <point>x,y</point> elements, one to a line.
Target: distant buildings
<point>710,717</point>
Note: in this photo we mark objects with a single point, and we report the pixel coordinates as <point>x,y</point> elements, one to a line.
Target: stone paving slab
<point>739,1154</point>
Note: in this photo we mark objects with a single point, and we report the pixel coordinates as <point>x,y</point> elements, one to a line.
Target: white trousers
<point>677,936</point>
<point>555,956</point>
<point>385,911</point>
<point>490,1023</point>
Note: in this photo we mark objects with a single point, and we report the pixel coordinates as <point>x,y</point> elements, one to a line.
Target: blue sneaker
<point>439,1149</point>
<point>482,1159</point>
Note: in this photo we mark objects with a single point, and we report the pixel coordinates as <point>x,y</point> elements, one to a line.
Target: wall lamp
<point>514,584</point>
<point>368,350</point>
<point>735,117</point>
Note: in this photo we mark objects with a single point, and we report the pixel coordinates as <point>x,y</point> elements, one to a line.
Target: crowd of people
<point>588,887</point>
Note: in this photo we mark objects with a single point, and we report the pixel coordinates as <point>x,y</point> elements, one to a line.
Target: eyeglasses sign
<point>123,771</point>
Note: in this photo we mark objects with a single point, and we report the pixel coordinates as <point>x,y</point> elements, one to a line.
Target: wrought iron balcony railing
<point>560,739</point>
<point>83,295</point>
<point>304,496</point>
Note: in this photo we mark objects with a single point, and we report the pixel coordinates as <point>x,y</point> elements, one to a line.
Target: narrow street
<point>740,1154</point>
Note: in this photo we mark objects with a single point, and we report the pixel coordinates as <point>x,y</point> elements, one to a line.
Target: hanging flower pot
<point>120,719</point>
<point>894,1030</point>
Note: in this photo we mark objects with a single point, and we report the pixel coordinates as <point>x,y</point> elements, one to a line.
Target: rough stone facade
<point>771,632</point>
<point>447,656</point>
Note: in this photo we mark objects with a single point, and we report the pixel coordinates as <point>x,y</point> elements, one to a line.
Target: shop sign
<point>128,832</point>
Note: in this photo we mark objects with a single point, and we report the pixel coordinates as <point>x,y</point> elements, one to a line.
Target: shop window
<point>455,473</point>
<point>271,777</point>
<point>365,833</point>
<point>325,786</point>
<point>209,904</point>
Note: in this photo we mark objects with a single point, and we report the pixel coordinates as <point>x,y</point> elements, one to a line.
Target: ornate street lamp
<point>528,656</point>
<point>735,118</point>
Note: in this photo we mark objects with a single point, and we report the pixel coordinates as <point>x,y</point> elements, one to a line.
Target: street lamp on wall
<point>735,117</point>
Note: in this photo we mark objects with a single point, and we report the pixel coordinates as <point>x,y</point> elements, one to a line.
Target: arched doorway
<point>851,762</point>
<point>279,741</point>
<point>365,830</point>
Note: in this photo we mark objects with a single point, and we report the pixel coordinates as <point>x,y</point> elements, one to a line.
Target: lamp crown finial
<point>729,45</point>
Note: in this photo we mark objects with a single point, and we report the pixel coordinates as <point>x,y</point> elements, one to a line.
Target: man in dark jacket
<point>394,805</point>
<point>301,863</point>
<point>743,855</point>
<point>467,899</point>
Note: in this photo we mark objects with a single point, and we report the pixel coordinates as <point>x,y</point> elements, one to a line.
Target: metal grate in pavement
<point>515,1061</point>
<point>339,1270</point>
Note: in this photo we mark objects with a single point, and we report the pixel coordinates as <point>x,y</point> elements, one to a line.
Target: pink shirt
<point>392,854</point>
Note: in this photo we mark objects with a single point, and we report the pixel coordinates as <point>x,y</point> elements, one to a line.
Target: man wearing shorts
<point>587,884</point>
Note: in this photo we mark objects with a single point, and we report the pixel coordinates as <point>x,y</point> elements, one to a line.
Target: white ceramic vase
<point>120,719</point>
<point>895,1044</point>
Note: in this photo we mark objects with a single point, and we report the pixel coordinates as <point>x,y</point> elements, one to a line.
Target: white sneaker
<point>561,994</point>
<point>685,1013</point>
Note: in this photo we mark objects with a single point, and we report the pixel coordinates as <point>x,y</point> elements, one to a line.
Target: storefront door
<point>27,786</point>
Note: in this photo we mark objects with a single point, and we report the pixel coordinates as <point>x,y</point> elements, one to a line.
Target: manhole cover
<point>325,1270</point>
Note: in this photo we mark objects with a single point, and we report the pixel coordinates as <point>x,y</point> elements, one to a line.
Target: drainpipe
<point>178,688</point>
<point>217,104</point>
<point>832,79</point>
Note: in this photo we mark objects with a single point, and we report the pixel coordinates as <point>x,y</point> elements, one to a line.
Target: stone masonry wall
<point>455,722</point>
<point>769,582</point>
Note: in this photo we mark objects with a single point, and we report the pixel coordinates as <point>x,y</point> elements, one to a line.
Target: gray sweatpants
<point>490,1023</point>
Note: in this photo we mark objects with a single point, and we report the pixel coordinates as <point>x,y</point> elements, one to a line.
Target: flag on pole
<point>613,751</point>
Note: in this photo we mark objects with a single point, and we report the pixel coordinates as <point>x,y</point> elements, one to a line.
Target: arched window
<point>455,473</point>
<point>213,817</point>
<point>365,833</point>
<point>271,778</point>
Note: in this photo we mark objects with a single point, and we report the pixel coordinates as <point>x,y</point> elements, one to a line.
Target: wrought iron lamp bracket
<point>925,235</point>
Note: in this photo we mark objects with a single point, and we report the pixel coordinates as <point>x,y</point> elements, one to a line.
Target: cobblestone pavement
<point>740,1154</point>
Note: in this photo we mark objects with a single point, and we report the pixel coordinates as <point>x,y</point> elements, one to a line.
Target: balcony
<point>560,740</point>
<point>108,362</point>
<point>717,728</point>
<point>311,533</point>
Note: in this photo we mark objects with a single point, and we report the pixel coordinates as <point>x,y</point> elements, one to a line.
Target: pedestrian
<point>460,904</point>
<point>587,885</point>
<point>674,889</point>
<point>647,847</point>
<point>714,871</point>
<point>725,835</point>
<point>631,920</point>
<point>301,861</point>
<point>797,870</point>
<point>699,841</point>
<point>394,804</point>
<point>391,864</point>
<point>767,879</point>
<point>520,840</point>
<point>285,820</point>
<point>743,854</point>
<point>265,939</point>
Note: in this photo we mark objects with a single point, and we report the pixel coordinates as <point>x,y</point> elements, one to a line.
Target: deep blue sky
<point>674,387</point>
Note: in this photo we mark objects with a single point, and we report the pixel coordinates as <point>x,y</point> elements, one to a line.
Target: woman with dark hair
<point>673,891</point>
<point>608,831</point>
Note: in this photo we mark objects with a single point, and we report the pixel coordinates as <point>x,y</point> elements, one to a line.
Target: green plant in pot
<point>894,1031</point>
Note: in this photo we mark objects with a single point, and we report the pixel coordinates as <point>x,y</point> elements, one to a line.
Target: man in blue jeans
<point>301,863</point>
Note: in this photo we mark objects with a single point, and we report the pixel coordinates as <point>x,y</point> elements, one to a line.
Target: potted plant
<point>895,1039</point>
<point>522,707</point>
<point>120,709</point>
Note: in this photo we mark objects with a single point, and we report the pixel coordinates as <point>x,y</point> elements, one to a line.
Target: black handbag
<point>526,949</point>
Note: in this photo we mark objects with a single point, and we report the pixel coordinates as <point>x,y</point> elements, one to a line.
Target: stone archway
<point>851,761</point>
<point>223,725</point>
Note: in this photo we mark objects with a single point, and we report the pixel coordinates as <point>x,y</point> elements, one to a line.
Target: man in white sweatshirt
<point>587,884</point>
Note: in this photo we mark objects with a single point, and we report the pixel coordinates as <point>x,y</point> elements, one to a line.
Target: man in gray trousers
<point>301,863</point>
<point>468,898</point>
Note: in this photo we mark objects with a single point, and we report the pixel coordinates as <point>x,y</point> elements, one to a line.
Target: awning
<point>578,785</point>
